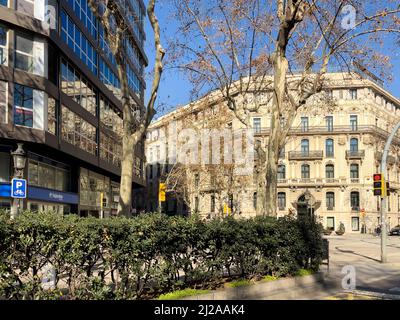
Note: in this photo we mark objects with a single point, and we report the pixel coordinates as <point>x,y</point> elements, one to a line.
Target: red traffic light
<point>377,177</point>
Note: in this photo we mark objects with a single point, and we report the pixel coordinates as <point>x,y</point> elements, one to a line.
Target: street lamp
<point>19,159</point>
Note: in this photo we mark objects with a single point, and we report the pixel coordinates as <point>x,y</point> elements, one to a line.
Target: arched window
<point>329,171</point>
<point>305,146</point>
<point>355,200</point>
<point>354,171</point>
<point>329,149</point>
<point>282,171</point>
<point>330,200</point>
<point>354,144</point>
<point>305,171</point>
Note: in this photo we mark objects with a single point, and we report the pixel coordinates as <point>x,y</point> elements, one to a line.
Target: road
<point>363,253</point>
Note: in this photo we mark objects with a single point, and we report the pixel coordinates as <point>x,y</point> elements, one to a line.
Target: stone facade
<point>331,153</point>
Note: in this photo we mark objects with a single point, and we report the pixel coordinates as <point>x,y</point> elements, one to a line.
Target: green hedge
<point>144,257</point>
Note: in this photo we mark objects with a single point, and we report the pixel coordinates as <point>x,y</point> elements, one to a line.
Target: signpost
<point>18,188</point>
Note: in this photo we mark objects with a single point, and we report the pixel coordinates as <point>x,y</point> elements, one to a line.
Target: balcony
<point>355,154</point>
<point>303,155</point>
<point>390,159</point>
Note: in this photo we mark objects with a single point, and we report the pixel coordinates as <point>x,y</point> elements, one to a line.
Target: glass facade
<point>24,58</point>
<point>85,14</point>
<point>110,149</point>
<point>81,46</point>
<point>78,132</point>
<point>3,102</point>
<point>91,187</point>
<point>74,85</point>
<point>23,106</point>
<point>3,45</point>
<point>109,78</point>
<point>110,118</point>
<point>48,176</point>
<point>52,115</point>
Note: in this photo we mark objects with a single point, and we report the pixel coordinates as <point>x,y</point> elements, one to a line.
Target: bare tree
<point>248,48</point>
<point>136,118</point>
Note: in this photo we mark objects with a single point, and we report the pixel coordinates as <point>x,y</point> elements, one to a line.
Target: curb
<point>266,290</point>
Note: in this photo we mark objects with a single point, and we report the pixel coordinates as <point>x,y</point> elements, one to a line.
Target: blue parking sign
<point>18,188</point>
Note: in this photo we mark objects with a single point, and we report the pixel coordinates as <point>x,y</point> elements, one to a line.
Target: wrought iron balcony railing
<point>355,154</point>
<point>306,155</point>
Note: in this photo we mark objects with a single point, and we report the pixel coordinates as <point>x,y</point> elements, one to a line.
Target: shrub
<point>149,255</point>
<point>179,294</point>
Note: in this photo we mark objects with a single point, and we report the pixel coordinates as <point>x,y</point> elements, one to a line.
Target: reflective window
<point>3,45</point>
<point>3,102</point>
<point>23,105</point>
<point>48,176</point>
<point>52,116</point>
<point>110,117</point>
<point>78,132</point>
<point>72,36</point>
<point>24,53</point>
<point>77,87</point>
<point>110,149</point>
<point>85,14</point>
<point>109,78</point>
<point>91,187</point>
<point>133,81</point>
<point>4,3</point>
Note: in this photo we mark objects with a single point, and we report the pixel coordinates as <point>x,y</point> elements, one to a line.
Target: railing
<point>301,155</point>
<point>335,129</point>
<point>322,181</point>
<point>355,154</point>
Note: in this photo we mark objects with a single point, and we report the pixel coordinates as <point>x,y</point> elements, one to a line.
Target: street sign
<point>18,188</point>
<point>161,192</point>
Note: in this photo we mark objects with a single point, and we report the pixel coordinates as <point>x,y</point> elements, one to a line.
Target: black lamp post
<point>19,159</point>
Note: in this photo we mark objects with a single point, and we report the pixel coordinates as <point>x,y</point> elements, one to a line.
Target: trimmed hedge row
<point>146,256</point>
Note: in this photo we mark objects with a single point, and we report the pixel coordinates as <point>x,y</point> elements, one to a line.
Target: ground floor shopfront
<point>61,183</point>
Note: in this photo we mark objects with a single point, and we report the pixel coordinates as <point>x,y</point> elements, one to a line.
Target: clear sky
<point>175,89</point>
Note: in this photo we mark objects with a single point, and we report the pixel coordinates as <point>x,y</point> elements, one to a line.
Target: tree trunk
<point>280,70</point>
<point>127,164</point>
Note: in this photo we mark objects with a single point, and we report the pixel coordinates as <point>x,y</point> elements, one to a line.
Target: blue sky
<point>175,89</point>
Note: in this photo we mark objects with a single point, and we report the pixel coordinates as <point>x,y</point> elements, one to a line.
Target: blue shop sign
<point>5,190</point>
<point>48,195</point>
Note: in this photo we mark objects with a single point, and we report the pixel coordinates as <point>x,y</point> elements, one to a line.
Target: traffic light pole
<point>384,196</point>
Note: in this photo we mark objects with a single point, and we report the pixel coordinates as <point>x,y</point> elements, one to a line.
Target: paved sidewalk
<point>363,253</point>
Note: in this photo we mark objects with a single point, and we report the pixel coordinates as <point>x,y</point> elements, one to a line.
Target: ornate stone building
<point>326,167</point>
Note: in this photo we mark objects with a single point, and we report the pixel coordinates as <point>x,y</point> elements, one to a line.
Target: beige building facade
<point>331,153</point>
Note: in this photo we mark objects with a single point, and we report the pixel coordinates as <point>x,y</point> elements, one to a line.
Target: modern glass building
<point>59,96</point>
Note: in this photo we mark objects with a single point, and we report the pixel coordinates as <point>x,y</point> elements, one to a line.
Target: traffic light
<point>379,184</point>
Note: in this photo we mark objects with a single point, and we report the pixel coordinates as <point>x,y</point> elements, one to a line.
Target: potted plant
<point>327,232</point>
<point>341,229</point>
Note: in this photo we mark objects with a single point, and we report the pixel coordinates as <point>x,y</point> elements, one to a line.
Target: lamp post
<point>19,160</point>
